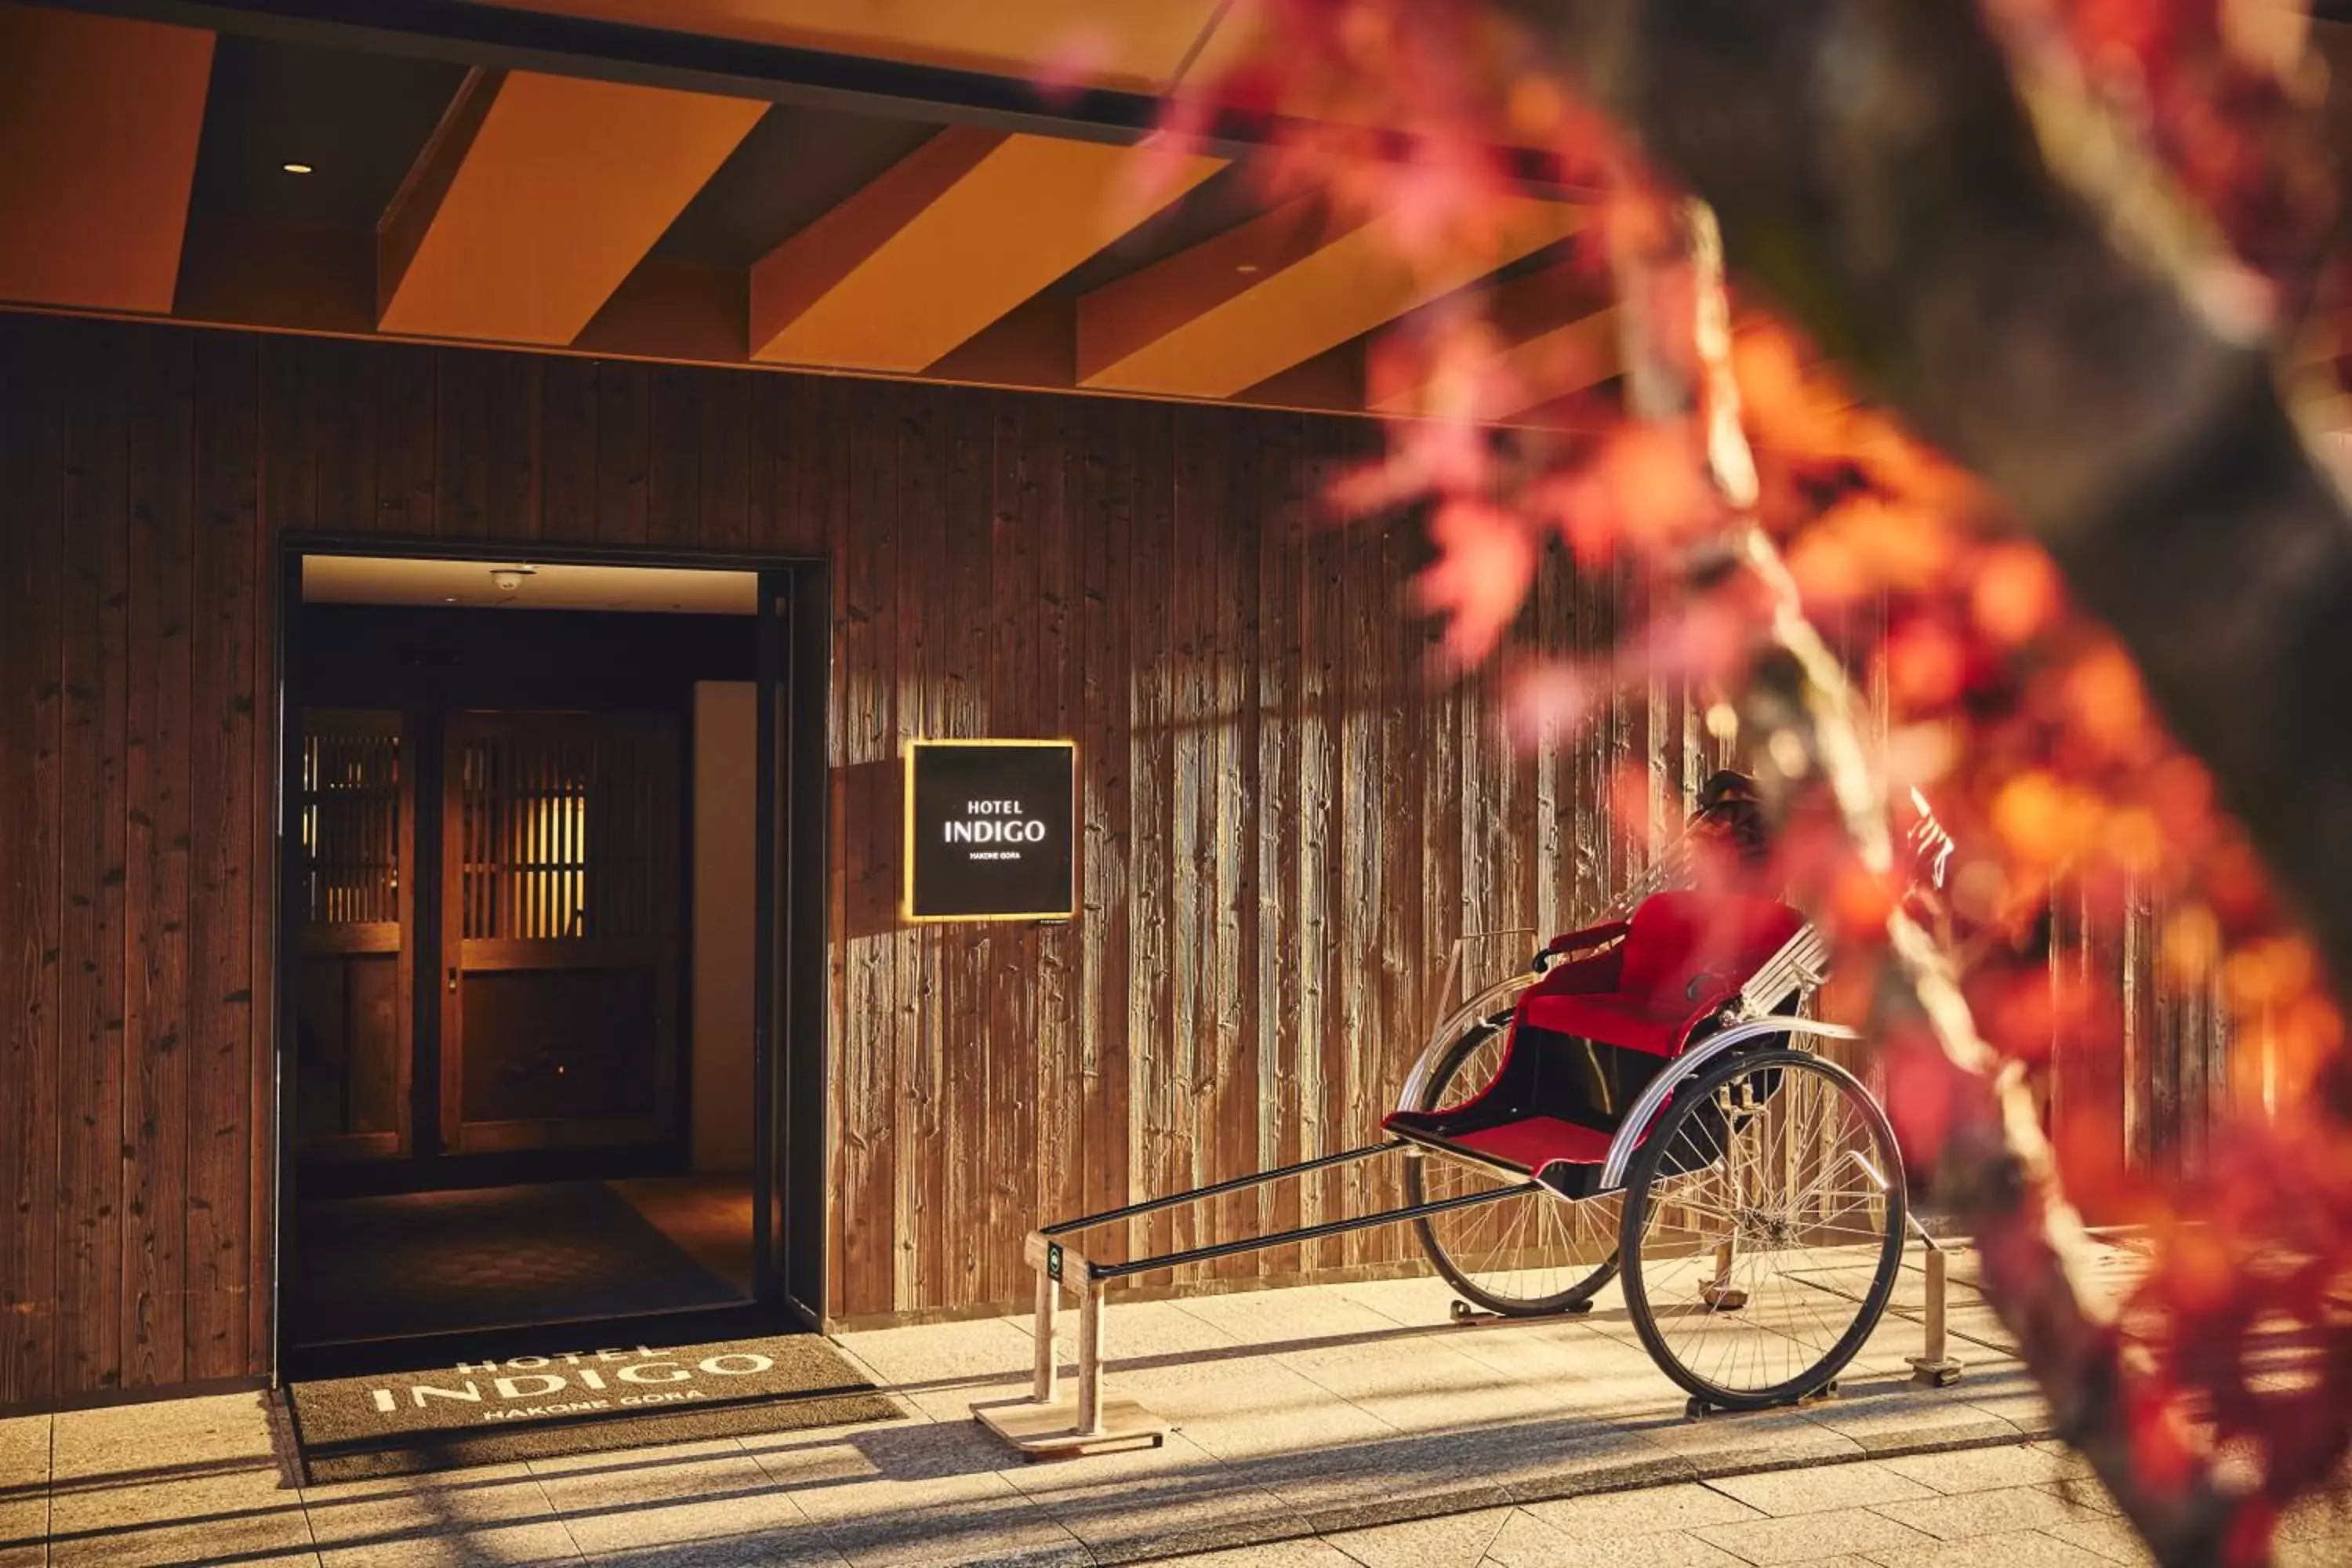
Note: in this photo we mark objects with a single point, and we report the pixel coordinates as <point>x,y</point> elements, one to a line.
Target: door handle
<point>453,977</point>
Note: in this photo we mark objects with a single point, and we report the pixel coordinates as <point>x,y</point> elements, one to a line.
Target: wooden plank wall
<point>1285,821</point>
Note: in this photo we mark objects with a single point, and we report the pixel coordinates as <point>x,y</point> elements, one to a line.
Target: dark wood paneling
<point>158,813</point>
<point>230,763</point>
<point>90,830</point>
<point>1285,823</point>
<point>31,952</point>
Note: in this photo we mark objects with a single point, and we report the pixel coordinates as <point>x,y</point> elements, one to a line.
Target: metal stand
<point>1935,1366</point>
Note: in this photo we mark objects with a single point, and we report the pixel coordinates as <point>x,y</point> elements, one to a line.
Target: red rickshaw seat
<point>1681,957</point>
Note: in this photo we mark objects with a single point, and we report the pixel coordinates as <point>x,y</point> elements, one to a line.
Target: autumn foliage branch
<point>2071,540</point>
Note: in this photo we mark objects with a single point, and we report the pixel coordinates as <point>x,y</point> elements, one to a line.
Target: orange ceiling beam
<point>537,198</point>
<point>951,239</point>
<point>98,123</point>
<point>1298,282</point>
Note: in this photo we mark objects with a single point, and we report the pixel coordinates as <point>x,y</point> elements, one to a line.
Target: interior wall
<point>726,751</point>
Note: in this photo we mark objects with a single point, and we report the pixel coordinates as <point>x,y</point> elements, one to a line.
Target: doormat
<point>575,1402</point>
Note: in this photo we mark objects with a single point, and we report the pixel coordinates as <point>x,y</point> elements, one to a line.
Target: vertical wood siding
<point>1285,822</point>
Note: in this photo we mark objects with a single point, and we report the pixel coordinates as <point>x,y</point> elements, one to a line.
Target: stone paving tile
<point>1764,1439</point>
<point>1853,1531</point>
<point>1149,1501</point>
<point>1278,1319</point>
<point>24,1491</point>
<point>1430,1386</point>
<point>1422,1301</point>
<point>1526,1541</point>
<point>23,1452</point>
<point>699,1492</point>
<point>1357,1486</point>
<point>790,1550</point>
<point>1680,1506</point>
<point>2027,1411</point>
<point>1306,1553</point>
<point>2106,1536</point>
<point>177,1523</point>
<point>1140,1333</point>
<point>544,1541</point>
<point>927,1495</point>
<point>930,1357</point>
<point>169,1438</point>
<point>1781,1493</point>
<point>1898,1414</point>
<point>352,1522</point>
<point>2021,1549</point>
<point>1996,1513</point>
<point>2086,1495</point>
<point>1454,1541</point>
<point>1982,1469</point>
<point>1582,1465</point>
<point>1244,1413</point>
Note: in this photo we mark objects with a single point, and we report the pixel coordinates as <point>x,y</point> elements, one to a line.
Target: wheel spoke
<point>1530,1253</point>
<point>1768,1189</point>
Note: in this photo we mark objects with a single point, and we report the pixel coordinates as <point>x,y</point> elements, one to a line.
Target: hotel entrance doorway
<point>535,832</point>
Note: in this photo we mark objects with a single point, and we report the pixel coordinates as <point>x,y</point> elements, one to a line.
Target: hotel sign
<point>990,829</point>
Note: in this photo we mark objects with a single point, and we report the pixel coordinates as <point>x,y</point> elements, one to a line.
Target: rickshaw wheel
<point>1763,1229</point>
<point>1519,1258</point>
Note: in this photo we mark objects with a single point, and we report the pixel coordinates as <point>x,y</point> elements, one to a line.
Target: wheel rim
<point>1764,1229</point>
<point>1519,1256</point>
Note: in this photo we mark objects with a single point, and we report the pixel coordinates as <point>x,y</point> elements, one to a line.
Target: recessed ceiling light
<point>296,168</point>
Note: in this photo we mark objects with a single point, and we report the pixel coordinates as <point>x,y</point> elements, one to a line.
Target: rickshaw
<point>1645,1101</point>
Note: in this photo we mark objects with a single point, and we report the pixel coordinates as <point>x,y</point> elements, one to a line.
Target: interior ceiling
<point>468,584</point>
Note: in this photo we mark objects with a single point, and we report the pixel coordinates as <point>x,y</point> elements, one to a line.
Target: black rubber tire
<point>1416,1191</point>
<point>1641,1179</point>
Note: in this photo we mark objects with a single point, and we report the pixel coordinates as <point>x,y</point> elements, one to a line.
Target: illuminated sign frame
<point>909,905</point>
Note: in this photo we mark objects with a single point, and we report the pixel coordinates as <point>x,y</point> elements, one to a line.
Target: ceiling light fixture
<point>296,168</point>
<point>507,579</point>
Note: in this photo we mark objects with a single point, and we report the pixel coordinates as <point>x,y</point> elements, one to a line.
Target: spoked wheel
<point>1521,1257</point>
<point>1764,1220</point>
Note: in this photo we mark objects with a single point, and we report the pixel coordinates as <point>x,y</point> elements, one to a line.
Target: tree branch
<point>1997,1169</point>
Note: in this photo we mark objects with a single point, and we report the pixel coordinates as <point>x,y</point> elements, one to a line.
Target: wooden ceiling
<point>691,181</point>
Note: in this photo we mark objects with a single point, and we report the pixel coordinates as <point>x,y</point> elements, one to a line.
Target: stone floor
<point>1320,1428</point>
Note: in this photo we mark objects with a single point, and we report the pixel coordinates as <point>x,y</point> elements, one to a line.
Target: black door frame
<point>790,1036</point>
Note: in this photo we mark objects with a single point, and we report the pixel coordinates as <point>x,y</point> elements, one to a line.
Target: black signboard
<point>989,830</point>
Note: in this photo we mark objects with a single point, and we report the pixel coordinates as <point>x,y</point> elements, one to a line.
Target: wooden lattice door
<point>354,811</point>
<point>560,919</point>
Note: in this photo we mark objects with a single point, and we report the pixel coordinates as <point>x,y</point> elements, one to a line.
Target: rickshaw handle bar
<point>1307,1232</point>
<point>1239,1183</point>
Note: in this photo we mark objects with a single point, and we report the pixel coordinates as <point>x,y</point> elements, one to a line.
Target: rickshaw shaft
<point>1239,1183</point>
<point>1305,1233</point>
